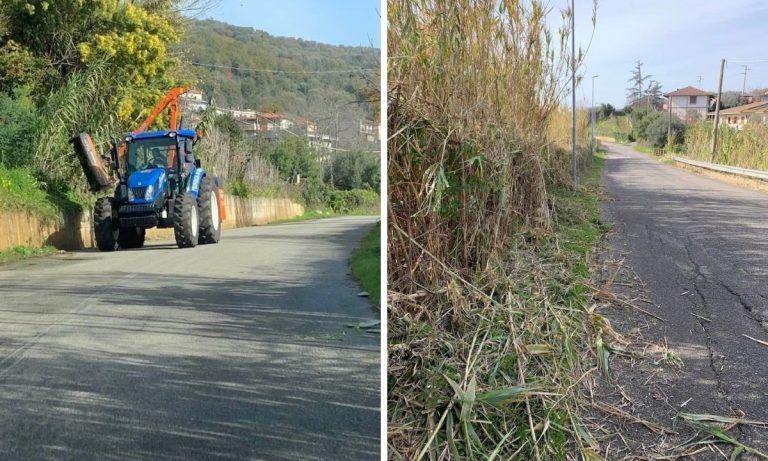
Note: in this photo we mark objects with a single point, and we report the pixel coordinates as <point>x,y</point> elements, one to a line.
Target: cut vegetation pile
<point>490,343</point>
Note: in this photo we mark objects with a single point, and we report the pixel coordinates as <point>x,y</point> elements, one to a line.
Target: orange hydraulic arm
<point>171,100</point>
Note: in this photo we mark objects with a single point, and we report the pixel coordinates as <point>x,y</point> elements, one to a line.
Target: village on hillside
<point>270,126</point>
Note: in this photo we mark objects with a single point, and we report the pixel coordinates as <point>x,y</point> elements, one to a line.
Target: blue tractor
<point>160,184</point>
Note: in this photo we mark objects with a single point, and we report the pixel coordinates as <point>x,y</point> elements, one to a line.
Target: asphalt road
<point>701,247</point>
<point>232,351</point>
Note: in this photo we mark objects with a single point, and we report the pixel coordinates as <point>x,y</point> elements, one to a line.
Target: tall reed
<point>476,144</point>
<point>746,148</point>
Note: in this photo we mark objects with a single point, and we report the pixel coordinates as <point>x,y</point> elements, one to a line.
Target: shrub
<point>314,193</point>
<point>359,201</point>
<point>18,125</point>
<point>656,131</point>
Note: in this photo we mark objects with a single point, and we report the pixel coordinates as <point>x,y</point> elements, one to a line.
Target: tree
<point>656,131</point>
<point>653,94</point>
<point>292,157</point>
<point>604,111</point>
<point>50,41</point>
<point>636,90</point>
<point>730,99</point>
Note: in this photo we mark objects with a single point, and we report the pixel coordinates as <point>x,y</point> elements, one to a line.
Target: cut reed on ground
<point>491,342</point>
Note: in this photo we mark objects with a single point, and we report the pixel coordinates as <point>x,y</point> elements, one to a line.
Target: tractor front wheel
<point>210,221</point>
<point>186,223</point>
<point>105,226</point>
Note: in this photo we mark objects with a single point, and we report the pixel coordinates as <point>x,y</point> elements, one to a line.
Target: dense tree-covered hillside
<point>246,68</point>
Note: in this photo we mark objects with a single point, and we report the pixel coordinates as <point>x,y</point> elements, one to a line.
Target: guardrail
<point>755,174</point>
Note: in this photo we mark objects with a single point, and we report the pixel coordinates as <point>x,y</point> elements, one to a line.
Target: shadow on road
<point>149,366</point>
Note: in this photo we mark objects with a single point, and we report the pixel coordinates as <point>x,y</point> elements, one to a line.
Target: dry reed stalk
<point>485,350</point>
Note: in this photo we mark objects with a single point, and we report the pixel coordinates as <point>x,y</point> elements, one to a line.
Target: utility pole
<point>717,108</point>
<point>744,85</point>
<point>593,114</point>
<point>669,120</point>
<point>573,92</point>
<point>699,80</point>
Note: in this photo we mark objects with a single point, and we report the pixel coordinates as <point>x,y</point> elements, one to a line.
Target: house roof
<point>757,106</point>
<point>688,91</point>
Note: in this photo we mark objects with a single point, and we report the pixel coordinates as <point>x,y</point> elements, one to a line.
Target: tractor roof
<point>186,133</point>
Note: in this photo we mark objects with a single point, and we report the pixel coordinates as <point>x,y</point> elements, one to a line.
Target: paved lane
<point>701,247</point>
<point>229,351</point>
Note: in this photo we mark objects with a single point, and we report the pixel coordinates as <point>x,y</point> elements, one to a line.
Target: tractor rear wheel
<point>131,237</point>
<point>210,220</point>
<point>186,225</point>
<point>105,226</point>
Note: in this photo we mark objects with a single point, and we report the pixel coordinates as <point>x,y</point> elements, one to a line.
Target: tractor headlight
<point>131,197</point>
<point>149,193</point>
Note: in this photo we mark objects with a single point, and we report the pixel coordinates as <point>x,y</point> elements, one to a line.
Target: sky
<point>337,22</point>
<point>676,40</point>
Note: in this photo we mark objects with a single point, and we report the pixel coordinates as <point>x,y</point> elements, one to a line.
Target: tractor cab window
<point>145,154</point>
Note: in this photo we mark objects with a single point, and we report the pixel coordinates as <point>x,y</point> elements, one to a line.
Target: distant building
<point>193,101</point>
<point>270,126</point>
<point>369,131</point>
<point>195,95</point>
<point>737,117</point>
<point>689,103</point>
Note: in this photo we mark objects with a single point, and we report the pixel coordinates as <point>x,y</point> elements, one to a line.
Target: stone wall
<point>75,232</point>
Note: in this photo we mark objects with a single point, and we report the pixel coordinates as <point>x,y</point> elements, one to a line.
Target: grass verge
<point>504,372</point>
<point>20,191</point>
<point>366,263</point>
<point>18,253</point>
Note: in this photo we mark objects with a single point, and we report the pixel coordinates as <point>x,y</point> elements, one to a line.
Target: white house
<point>689,103</point>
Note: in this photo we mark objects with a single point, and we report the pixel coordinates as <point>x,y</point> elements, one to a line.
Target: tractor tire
<point>131,237</point>
<point>105,226</point>
<point>210,221</point>
<point>186,225</point>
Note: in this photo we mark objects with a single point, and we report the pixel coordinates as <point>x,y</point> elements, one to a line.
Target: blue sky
<point>677,41</point>
<point>337,22</point>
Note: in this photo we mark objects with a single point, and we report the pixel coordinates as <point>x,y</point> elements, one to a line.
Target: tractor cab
<point>157,163</point>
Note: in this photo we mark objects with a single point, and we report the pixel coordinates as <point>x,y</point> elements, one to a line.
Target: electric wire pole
<point>744,85</point>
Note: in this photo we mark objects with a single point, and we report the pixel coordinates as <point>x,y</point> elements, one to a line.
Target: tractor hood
<point>146,185</point>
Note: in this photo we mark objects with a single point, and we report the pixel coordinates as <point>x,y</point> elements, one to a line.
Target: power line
<point>747,61</point>
<point>277,71</point>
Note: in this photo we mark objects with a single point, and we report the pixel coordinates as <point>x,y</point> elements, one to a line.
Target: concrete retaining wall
<point>76,230</point>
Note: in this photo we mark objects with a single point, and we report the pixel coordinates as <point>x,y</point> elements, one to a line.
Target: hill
<point>247,68</point>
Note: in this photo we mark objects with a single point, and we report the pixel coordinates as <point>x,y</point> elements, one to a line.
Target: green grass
<point>20,191</point>
<point>366,263</point>
<point>618,128</point>
<point>307,216</point>
<point>644,149</point>
<point>18,253</point>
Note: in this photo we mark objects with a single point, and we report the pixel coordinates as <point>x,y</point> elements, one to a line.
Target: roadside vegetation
<point>100,66</point>
<point>366,264</point>
<point>744,148</point>
<point>491,336</point>
<point>18,253</point>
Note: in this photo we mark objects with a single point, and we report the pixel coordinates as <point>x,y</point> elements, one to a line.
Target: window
<point>692,100</point>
